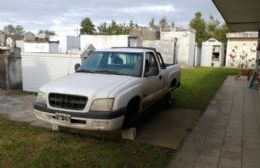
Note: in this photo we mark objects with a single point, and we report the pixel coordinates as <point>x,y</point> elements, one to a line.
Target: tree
<point>131,24</point>
<point>199,24</point>
<point>212,26</point>
<point>152,23</point>
<point>16,31</point>
<point>102,29</point>
<point>164,23</point>
<point>9,30</point>
<point>87,27</point>
<point>47,32</point>
<point>210,29</point>
<point>127,27</point>
<point>114,28</point>
<point>221,32</point>
<point>173,24</point>
<point>19,31</point>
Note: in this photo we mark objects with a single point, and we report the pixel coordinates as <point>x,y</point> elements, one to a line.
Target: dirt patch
<point>168,128</point>
<point>17,106</point>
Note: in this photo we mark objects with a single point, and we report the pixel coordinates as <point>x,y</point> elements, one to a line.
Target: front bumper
<point>93,120</point>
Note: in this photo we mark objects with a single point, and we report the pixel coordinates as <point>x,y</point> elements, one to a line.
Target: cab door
<point>152,80</point>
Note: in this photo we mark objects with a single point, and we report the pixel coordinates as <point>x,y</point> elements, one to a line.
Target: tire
<point>168,100</point>
<point>133,108</point>
<point>173,85</point>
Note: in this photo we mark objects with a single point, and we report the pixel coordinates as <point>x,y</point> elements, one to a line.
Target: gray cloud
<point>62,15</point>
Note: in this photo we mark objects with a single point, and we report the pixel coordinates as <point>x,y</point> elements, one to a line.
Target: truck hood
<point>90,85</point>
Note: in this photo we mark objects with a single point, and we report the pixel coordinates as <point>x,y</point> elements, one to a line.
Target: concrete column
<point>258,45</point>
<point>255,82</point>
<point>10,69</point>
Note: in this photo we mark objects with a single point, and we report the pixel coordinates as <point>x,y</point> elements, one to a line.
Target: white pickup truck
<point>108,90</point>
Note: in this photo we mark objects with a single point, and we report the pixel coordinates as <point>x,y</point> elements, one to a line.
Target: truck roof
<point>128,49</point>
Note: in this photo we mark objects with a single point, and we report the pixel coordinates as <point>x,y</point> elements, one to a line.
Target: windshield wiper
<point>85,71</point>
<point>107,72</point>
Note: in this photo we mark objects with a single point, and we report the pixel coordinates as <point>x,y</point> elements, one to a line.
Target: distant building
<point>212,53</point>
<point>52,44</point>
<point>42,37</point>
<point>29,36</point>
<point>140,34</point>
<point>185,48</point>
<point>241,49</point>
<point>175,44</point>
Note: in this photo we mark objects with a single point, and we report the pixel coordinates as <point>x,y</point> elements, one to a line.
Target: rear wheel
<point>173,85</point>
<point>168,98</point>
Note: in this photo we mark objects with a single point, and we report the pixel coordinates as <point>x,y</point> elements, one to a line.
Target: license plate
<point>62,117</point>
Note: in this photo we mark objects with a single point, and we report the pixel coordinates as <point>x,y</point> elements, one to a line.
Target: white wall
<point>44,47</point>
<point>73,42</point>
<point>53,47</point>
<point>237,48</point>
<point>62,42</point>
<point>41,68</point>
<point>66,42</point>
<point>165,47</point>
<point>104,41</point>
<point>197,56</point>
<point>192,49</point>
<point>185,45</point>
<point>20,44</point>
<point>206,55</point>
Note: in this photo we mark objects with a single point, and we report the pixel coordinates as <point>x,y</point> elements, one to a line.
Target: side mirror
<point>76,67</point>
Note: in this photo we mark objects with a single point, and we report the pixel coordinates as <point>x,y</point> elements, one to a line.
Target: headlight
<point>41,98</point>
<point>102,105</point>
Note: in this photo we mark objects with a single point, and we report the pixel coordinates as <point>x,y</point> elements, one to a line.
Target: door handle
<point>160,77</point>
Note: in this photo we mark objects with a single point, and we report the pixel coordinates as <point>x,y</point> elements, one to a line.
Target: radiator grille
<point>64,101</point>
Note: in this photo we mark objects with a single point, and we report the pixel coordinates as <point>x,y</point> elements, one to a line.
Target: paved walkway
<point>228,134</point>
<point>17,106</point>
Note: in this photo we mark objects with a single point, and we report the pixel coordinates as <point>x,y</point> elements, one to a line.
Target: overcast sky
<point>64,16</point>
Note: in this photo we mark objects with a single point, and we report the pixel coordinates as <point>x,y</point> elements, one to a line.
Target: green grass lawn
<point>24,146</point>
<point>198,87</point>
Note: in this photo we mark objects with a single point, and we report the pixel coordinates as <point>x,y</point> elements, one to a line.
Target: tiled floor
<point>228,133</point>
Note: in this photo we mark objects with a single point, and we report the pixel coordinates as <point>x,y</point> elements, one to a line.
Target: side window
<point>151,65</point>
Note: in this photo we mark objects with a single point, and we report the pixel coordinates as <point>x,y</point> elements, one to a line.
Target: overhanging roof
<point>240,15</point>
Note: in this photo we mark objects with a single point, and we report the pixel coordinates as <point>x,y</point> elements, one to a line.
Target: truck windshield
<point>118,63</point>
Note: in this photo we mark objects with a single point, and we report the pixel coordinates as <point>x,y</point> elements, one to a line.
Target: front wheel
<point>131,114</point>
